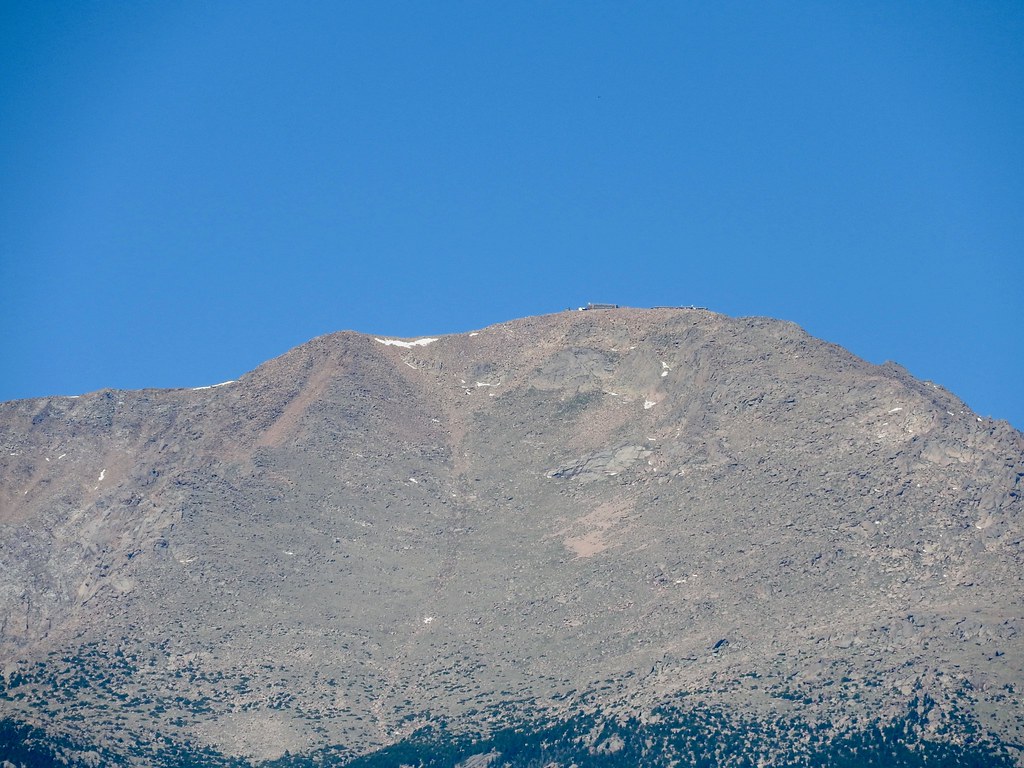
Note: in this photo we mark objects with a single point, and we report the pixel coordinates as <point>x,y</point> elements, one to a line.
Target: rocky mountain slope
<point>593,537</point>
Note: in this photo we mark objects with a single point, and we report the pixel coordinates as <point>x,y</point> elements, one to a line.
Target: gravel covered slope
<point>588,514</point>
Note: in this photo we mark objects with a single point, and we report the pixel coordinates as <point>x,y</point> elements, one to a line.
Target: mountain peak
<point>580,519</point>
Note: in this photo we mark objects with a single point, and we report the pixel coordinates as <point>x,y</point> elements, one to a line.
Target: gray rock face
<point>602,463</point>
<point>617,508</point>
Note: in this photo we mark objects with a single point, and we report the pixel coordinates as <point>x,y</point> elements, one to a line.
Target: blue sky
<point>189,189</point>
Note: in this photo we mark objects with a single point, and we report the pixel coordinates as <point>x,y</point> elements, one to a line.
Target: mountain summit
<point>611,537</point>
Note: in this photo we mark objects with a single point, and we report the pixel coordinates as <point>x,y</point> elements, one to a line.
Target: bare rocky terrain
<point>604,537</point>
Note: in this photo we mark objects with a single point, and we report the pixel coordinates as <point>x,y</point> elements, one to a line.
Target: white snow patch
<point>648,404</point>
<point>410,364</point>
<point>487,384</point>
<point>214,386</point>
<point>103,473</point>
<point>414,480</point>
<point>47,458</point>
<point>427,619</point>
<point>289,552</point>
<point>895,410</point>
<point>664,374</point>
<point>406,344</point>
<point>62,456</point>
<point>474,333</point>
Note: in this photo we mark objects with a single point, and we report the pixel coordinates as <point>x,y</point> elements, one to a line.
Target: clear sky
<point>189,189</point>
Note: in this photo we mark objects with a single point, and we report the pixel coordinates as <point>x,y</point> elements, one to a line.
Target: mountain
<point>609,537</point>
